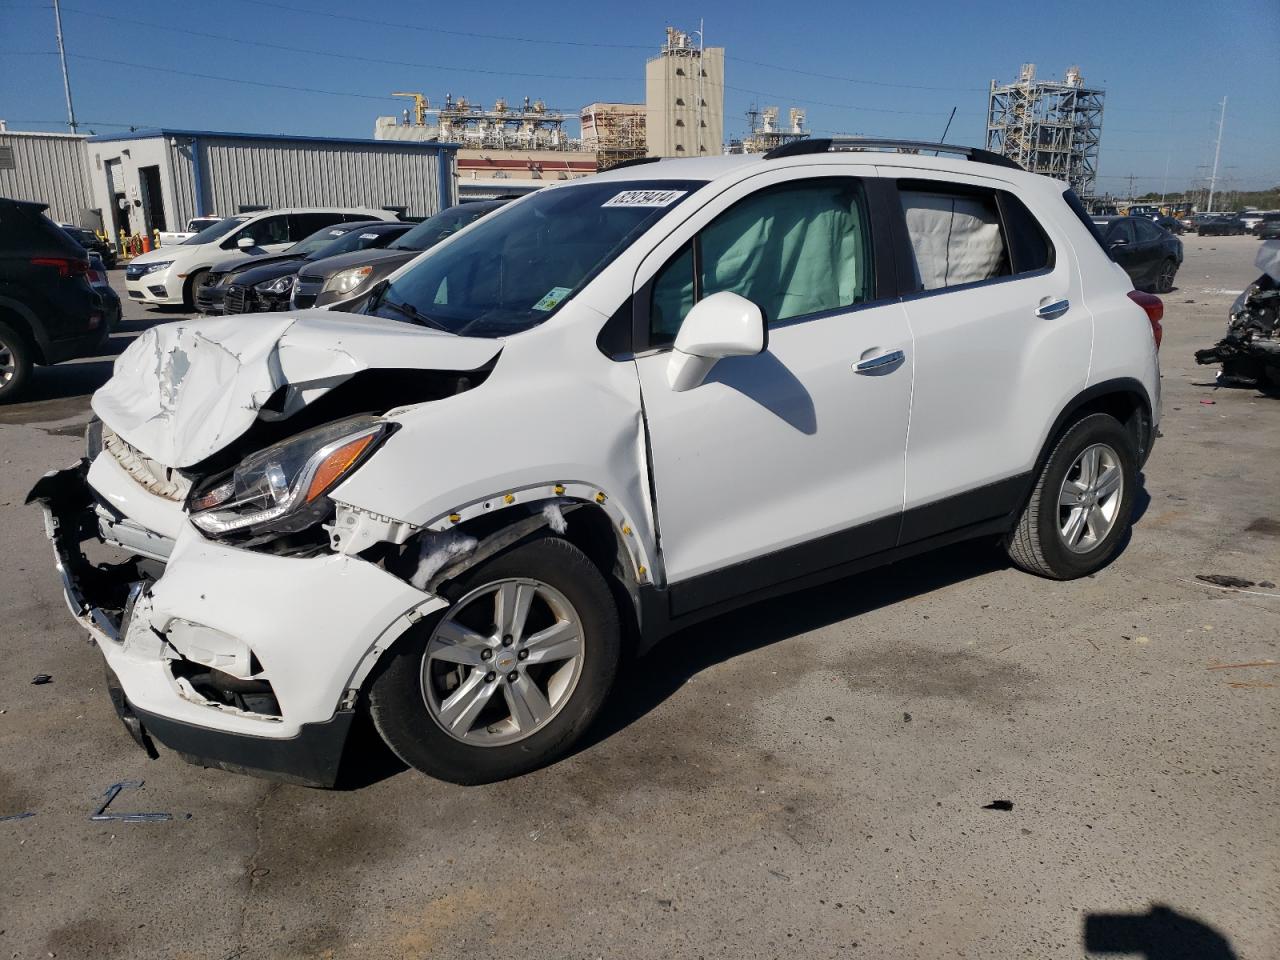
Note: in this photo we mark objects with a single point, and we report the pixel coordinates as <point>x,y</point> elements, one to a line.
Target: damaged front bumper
<point>308,630</point>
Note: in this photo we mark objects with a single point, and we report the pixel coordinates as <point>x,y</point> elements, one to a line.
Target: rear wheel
<point>510,675</point>
<point>15,362</point>
<point>1082,502</point>
<point>1168,270</point>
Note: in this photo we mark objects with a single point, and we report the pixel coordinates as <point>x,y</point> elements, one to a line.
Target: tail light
<point>66,266</point>
<point>1155,312</point>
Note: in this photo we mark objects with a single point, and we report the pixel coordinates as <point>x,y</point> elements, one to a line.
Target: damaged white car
<point>612,409</point>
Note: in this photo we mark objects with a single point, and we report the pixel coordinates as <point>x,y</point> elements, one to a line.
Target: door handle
<point>1053,310</point>
<point>877,363</point>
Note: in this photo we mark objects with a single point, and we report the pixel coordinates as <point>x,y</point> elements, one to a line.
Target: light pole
<point>62,55</point>
<point>1217,150</point>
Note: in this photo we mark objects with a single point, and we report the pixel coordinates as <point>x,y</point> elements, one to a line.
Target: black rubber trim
<point>784,566</point>
<point>311,758</point>
<point>656,604</point>
<point>1002,499</point>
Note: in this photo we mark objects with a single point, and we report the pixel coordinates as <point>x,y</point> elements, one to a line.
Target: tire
<point>189,292</point>
<point>1164,280</point>
<point>1038,544</point>
<point>410,691</point>
<point>15,363</point>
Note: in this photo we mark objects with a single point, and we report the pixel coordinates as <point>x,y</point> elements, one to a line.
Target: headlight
<point>344,281</point>
<point>279,287</point>
<point>154,267</point>
<point>283,488</point>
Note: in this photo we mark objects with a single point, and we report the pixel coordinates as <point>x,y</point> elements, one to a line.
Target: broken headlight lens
<point>279,286</point>
<point>283,488</point>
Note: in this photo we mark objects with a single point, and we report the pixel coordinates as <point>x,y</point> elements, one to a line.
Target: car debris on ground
<point>1250,352</point>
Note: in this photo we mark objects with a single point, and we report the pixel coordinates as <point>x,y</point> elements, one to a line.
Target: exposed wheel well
<point>1124,400</point>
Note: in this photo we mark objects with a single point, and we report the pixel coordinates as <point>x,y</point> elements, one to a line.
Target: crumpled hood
<point>184,390</point>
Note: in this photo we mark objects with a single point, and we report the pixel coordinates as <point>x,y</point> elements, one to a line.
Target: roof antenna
<point>943,138</point>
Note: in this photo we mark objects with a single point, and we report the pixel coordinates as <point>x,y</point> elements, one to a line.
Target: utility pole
<point>62,55</point>
<point>701,71</point>
<point>1217,151</point>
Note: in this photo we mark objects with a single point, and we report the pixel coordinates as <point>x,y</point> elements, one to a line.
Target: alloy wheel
<point>503,662</point>
<point>1090,498</point>
<point>8,365</point>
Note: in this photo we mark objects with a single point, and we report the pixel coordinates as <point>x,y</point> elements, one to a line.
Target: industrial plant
<point>1052,127</point>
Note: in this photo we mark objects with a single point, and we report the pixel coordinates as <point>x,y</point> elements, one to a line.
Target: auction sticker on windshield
<point>645,198</point>
<point>553,298</point>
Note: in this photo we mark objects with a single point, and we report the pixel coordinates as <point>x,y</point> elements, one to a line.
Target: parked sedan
<point>265,283</point>
<point>1149,254</point>
<point>1269,227</point>
<point>1221,225</point>
<point>97,277</point>
<point>346,280</point>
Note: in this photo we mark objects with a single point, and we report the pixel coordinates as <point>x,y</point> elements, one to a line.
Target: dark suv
<point>48,310</point>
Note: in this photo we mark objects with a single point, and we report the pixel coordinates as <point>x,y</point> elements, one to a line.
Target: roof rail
<point>798,148</point>
<point>634,162</point>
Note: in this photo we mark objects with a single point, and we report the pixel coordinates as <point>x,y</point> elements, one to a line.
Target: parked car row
<point>334,267</point>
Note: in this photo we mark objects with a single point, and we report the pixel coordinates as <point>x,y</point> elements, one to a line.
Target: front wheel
<point>195,283</point>
<point>509,676</point>
<point>1082,502</point>
<point>1164,281</point>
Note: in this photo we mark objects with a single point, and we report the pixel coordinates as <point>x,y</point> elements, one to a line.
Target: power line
<point>312,52</point>
<point>209,76</point>
<point>453,33</point>
<point>789,98</point>
<point>871,83</point>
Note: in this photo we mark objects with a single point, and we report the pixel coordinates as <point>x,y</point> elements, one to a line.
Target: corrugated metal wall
<point>283,173</point>
<point>183,199</point>
<point>49,168</point>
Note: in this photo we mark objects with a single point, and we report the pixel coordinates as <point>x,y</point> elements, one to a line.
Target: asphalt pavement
<point>944,758</point>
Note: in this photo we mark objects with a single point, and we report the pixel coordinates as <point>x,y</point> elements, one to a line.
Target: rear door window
<point>955,235</point>
<point>1146,230</point>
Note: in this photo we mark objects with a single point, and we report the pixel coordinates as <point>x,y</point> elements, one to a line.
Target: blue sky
<point>901,66</point>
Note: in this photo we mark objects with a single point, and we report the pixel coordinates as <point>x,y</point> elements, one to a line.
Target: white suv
<point>614,408</point>
<point>170,273</point>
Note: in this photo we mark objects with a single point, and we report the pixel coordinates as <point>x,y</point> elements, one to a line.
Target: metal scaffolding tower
<point>1048,126</point>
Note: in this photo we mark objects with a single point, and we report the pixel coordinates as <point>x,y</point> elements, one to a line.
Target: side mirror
<point>246,243</point>
<point>722,325</point>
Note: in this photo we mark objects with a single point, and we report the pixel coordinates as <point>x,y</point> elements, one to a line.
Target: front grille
<point>305,291</point>
<point>236,299</point>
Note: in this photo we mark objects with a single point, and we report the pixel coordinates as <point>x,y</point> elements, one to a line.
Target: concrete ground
<point>810,777</point>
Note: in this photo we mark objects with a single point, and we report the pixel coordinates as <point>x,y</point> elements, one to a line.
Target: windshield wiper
<point>410,311</point>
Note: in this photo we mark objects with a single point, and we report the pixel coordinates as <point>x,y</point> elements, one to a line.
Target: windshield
<point>445,223</point>
<point>514,269</point>
<point>320,238</point>
<point>355,239</point>
<point>219,229</point>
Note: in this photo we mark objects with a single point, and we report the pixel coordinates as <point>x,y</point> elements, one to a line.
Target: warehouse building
<point>159,179</point>
<point>48,168</point>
